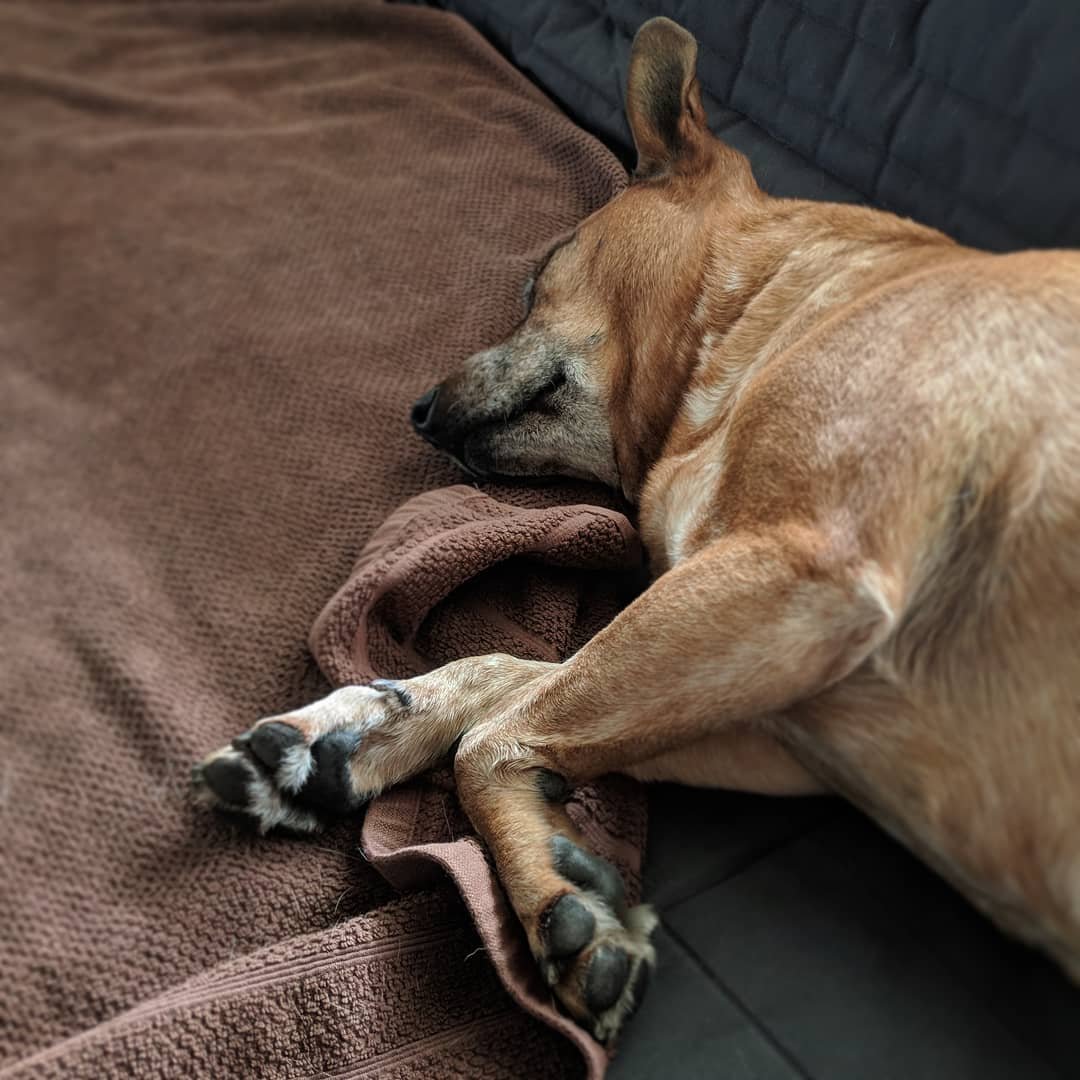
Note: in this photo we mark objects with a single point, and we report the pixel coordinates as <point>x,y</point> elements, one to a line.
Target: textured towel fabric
<point>454,573</point>
<point>238,239</point>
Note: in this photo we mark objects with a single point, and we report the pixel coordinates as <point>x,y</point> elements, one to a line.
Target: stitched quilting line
<point>995,112</point>
<point>573,76</point>
<point>736,63</point>
<point>992,215</point>
<point>615,109</point>
<point>829,104</point>
<point>739,65</point>
<point>899,113</point>
<point>890,138</point>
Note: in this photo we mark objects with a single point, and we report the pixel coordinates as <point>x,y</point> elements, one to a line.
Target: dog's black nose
<point>423,411</point>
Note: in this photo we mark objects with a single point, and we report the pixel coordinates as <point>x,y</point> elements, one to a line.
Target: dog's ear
<point>663,99</point>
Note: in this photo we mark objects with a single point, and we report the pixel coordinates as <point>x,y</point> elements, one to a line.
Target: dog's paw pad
<point>589,871</point>
<point>272,775</point>
<point>325,785</point>
<point>228,777</point>
<point>272,742</point>
<point>594,951</point>
<point>567,927</point>
<point>608,971</point>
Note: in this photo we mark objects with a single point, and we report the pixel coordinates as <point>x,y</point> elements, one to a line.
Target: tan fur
<point>855,449</point>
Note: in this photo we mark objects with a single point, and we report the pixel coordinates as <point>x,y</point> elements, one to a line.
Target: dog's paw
<point>296,771</point>
<point>594,952</point>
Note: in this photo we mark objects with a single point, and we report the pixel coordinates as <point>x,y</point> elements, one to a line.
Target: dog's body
<point>855,452</point>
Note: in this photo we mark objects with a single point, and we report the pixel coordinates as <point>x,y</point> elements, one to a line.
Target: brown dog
<point>855,449</point>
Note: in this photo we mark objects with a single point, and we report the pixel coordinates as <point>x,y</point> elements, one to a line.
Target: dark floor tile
<point>835,966</point>
<point>697,838</point>
<point>687,1028</point>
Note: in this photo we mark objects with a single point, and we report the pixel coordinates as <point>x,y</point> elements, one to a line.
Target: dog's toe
<point>228,777</point>
<point>327,786</point>
<point>567,927</point>
<point>273,776</point>
<point>589,871</point>
<point>606,979</point>
<point>270,742</point>
<point>594,952</point>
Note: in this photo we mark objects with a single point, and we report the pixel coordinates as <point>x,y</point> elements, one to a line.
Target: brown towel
<point>456,573</point>
<point>238,238</point>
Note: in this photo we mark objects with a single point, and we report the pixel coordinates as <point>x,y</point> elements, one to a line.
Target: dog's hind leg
<point>744,759</point>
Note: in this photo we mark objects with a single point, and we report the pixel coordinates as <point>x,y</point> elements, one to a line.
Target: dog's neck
<point>764,270</point>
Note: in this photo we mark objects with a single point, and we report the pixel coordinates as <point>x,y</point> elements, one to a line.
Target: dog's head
<point>588,384</point>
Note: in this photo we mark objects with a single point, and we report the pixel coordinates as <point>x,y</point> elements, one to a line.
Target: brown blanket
<point>237,240</point>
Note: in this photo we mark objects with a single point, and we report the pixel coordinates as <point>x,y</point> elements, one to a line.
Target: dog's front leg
<point>740,631</point>
<point>299,769</point>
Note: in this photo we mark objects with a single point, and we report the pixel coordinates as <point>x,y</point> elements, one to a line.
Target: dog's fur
<point>855,449</point>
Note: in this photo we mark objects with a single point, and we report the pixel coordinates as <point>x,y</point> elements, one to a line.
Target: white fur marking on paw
<point>269,810</point>
<point>634,938</point>
<point>295,768</point>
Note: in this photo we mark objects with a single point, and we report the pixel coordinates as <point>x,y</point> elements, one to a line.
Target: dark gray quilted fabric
<point>960,113</point>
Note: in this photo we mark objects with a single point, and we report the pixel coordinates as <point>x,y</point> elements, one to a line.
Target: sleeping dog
<point>855,450</point>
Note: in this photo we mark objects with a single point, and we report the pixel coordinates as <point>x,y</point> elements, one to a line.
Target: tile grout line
<point>781,1050</point>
